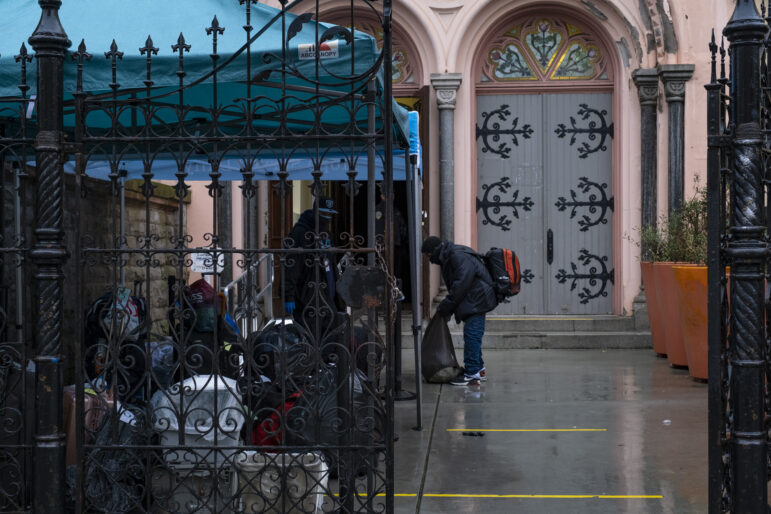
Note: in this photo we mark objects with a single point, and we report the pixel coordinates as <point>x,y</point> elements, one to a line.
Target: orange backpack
<point>503,266</point>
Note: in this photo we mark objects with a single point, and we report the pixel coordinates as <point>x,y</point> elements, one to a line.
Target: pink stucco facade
<point>448,36</point>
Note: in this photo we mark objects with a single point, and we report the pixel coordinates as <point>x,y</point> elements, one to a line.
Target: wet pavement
<point>553,431</point>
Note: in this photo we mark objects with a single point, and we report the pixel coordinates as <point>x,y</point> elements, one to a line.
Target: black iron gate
<point>738,189</point>
<point>187,399</point>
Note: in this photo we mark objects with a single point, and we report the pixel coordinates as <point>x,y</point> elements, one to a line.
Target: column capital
<point>446,86</point>
<point>647,82</point>
<point>674,77</point>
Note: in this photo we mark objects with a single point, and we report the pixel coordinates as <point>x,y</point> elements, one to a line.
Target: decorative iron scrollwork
<point>594,277</point>
<point>593,203</point>
<point>496,204</point>
<point>603,131</point>
<point>527,276</point>
<point>496,131</point>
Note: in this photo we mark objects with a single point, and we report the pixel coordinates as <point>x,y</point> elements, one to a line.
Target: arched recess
<point>546,158</point>
<point>409,90</point>
<point>407,75</point>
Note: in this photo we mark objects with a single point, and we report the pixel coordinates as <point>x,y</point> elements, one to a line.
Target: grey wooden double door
<point>544,190</point>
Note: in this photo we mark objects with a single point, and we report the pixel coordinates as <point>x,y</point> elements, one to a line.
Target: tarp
<point>333,167</point>
<point>311,82</point>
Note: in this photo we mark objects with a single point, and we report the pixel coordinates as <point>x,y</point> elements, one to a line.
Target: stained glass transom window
<point>545,49</point>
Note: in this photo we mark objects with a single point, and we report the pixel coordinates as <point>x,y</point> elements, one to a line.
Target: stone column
<point>647,82</point>
<point>446,87</point>
<point>674,77</point>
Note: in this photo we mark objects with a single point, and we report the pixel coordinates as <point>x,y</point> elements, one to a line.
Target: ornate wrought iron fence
<point>16,394</point>
<point>739,108</point>
<point>186,411</point>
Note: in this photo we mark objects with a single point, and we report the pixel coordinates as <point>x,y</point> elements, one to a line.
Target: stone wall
<point>98,215</point>
<point>160,219</point>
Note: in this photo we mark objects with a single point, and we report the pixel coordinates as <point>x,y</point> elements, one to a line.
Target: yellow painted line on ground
<point>550,496</point>
<point>531,496</point>
<point>527,429</point>
<point>519,318</point>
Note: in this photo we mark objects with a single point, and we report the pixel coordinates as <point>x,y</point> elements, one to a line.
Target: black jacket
<point>469,286</point>
<point>300,272</point>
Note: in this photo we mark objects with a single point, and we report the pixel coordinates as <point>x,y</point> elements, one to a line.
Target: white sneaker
<point>463,379</point>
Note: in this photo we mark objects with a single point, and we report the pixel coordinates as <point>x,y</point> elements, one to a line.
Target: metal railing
<point>250,296</point>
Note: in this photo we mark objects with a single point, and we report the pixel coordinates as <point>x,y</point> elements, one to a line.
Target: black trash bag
<point>115,471</point>
<point>312,420</point>
<point>437,353</point>
<point>209,353</point>
<point>318,419</point>
<point>114,339</point>
<point>281,351</point>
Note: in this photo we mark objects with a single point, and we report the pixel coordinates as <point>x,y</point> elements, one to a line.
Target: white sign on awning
<point>203,262</point>
<point>327,50</point>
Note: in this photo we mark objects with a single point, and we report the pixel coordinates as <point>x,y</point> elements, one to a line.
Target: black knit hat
<point>430,244</point>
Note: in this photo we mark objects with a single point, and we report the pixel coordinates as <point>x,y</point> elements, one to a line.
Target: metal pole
<point>371,179</point>
<point>414,223</point>
<point>388,176</point>
<point>747,251</point>
<point>122,186</point>
<point>20,289</point>
<point>49,255</point>
<point>714,338</point>
<point>399,393</point>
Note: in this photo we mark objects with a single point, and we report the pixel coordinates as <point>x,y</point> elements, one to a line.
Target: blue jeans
<point>473,330</point>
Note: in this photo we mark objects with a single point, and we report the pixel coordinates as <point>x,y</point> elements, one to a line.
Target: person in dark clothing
<point>301,282</point>
<point>470,295</point>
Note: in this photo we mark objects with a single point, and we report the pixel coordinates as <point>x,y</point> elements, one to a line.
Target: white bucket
<point>260,476</point>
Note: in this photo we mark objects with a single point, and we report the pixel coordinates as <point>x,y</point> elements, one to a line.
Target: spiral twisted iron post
<point>49,255</point>
<point>746,251</point>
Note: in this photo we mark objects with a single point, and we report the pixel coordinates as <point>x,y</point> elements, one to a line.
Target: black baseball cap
<point>326,205</point>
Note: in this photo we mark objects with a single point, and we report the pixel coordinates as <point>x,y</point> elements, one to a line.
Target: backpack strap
<point>488,279</point>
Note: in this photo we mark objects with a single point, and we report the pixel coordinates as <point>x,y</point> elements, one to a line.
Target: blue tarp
<point>129,23</point>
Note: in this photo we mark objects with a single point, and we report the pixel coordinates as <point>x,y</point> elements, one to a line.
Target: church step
<point>554,340</point>
<point>602,323</point>
<point>560,323</point>
<point>550,332</point>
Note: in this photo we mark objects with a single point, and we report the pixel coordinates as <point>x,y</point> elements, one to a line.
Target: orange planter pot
<point>692,294</point>
<point>654,311</point>
<point>666,292</point>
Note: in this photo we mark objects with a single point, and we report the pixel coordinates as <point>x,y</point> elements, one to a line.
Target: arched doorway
<point>544,132</point>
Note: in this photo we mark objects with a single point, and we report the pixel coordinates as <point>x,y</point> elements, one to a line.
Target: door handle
<point>549,246</point>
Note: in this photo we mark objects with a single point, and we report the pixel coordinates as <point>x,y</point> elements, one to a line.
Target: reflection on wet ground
<point>552,431</point>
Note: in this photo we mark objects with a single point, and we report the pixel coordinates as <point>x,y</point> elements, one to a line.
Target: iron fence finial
<point>713,51</point>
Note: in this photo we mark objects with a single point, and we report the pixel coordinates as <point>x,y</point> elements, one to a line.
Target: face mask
<point>434,257</point>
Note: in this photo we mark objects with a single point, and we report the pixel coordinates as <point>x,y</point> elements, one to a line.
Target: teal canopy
<point>279,72</point>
